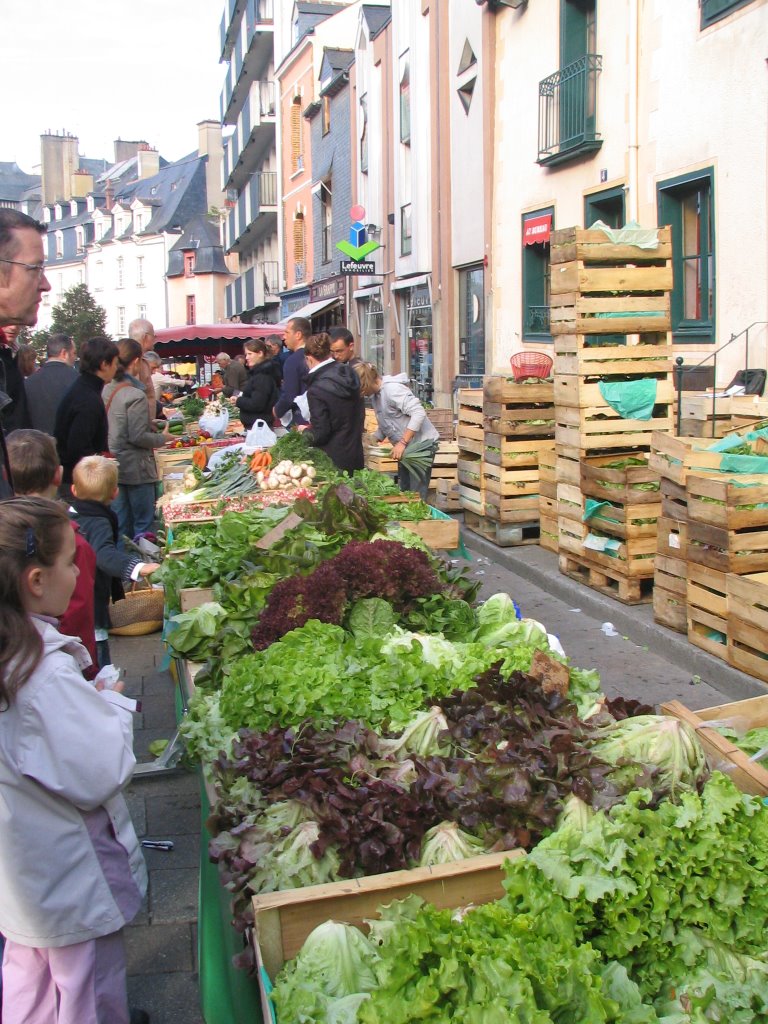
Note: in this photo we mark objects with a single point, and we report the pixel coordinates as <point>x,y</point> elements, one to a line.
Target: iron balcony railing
<point>264,190</point>
<point>568,110</point>
<point>266,99</point>
<point>536,320</point>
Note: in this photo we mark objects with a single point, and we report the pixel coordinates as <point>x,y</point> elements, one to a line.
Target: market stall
<point>368,732</point>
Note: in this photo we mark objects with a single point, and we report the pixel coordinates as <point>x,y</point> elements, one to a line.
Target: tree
<point>79,315</point>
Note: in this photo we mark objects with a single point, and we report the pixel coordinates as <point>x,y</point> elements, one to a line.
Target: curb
<point>540,567</point>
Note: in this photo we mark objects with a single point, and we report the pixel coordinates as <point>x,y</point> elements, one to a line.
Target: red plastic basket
<point>530,364</point>
<point>204,392</point>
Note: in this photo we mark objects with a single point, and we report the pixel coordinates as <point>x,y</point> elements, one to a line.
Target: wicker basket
<point>139,613</point>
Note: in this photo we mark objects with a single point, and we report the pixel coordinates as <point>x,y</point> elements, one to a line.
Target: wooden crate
<point>626,521</point>
<point>442,421</point>
<point>511,495</point>
<point>601,427</point>
<point>548,465</point>
<point>548,506</point>
<point>708,631</point>
<point>627,589</point>
<point>470,437</point>
<point>748,409</point>
<point>743,715</point>
<point>674,500</point>
<point>570,502</point>
<point>446,496</point>
<point>501,451</point>
<point>471,481</point>
<point>193,597</point>
<point>502,534</point>
<point>568,469</point>
<point>634,557</point>
<point>381,463</point>
<point>283,920</point>
<point>172,458</point>
<point>578,278</point>
<point>581,355</point>
<point>573,392</point>
<point>548,533</point>
<point>508,391</point>
<point>574,312</point>
<point>706,589</point>
<point>571,533</point>
<point>437,533</point>
<point>674,458</point>
<point>748,623</point>
<point>670,575</point>
<point>738,551</point>
<point>605,478</point>
<point>722,500</point>
<point>705,429</point>
<point>517,421</point>
<point>672,537</point>
<point>593,246</point>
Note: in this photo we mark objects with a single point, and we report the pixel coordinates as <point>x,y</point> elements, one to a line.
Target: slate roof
<point>376,18</point>
<point>16,184</point>
<point>201,234</point>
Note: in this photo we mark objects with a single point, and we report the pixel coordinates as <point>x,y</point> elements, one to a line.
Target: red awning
<point>536,230</point>
<point>210,339</point>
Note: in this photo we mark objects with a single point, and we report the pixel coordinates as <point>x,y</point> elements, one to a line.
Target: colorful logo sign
<point>358,246</point>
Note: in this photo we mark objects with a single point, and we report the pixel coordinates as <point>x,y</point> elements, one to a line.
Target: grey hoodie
<point>398,409</point>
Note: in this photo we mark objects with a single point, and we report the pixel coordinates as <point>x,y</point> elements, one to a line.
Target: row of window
<point>687,204</point>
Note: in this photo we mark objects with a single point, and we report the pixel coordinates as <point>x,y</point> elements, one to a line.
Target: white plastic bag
<point>261,435</point>
<point>216,426</point>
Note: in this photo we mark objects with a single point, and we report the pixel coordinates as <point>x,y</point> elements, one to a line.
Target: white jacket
<point>64,749</point>
<point>398,409</point>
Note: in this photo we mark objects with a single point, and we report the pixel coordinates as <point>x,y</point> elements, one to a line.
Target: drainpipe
<point>633,205</point>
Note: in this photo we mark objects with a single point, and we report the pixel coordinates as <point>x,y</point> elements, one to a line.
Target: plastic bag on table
<point>215,425</point>
<point>261,435</point>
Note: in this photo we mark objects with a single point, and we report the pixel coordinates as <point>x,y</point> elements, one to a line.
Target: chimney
<point>109,195</point>
<point>59,160</point>
<point>126,150</point>
<point>82,184</point>
<point>210,145</point>
<point>149,161</point>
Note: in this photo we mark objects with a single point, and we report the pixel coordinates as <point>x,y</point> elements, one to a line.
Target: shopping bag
<point>215,423</point>
<point>261,435</point>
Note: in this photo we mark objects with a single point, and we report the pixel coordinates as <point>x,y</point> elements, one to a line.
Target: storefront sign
<point>357,267</point>
<point>331,288</point>
<point>536,230</point>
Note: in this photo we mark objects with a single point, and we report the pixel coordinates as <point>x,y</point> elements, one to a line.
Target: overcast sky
<point>103,69</point>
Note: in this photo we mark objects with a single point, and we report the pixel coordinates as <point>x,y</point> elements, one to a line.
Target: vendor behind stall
<point>233,374</point>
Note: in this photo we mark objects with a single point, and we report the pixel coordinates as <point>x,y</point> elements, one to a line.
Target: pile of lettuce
<point>640,915</point>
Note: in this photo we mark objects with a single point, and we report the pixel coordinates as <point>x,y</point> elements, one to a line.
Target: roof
<point>15,183</point>
<point>310,14</point>
<point>376,18</point>
<point>201,234</point>
<point>334,69</point>
<point>338,60</point>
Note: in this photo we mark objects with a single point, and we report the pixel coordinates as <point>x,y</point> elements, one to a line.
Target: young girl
<point>71,867</point>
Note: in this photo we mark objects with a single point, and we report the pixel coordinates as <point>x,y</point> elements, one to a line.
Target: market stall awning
<point>312,308</point>
<point>536,230</point>
<point>209,339</point>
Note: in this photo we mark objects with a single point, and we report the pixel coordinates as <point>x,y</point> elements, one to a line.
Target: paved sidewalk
<point>162,941</point>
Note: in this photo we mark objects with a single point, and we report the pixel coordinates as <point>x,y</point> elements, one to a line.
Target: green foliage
<point>79,315</point>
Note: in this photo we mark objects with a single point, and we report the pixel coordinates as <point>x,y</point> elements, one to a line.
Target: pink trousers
<point>80,984</point>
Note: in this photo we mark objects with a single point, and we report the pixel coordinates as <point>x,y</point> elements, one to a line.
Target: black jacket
<point>45,390</point>
<point>259,394</point>
<point>295,382</point>
<point>81,426</point>
<point>337,414</point>
<point>98,524</point>
<point>16,415</point>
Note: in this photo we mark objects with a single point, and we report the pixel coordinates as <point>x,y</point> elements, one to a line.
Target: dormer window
<point>80,236</point>
<point>189,264</point>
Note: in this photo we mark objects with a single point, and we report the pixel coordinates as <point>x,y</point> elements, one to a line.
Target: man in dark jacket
<point>295,377</point>
<point>22,284</point>
<point>46,388</point>
<point>336,407</point>
<point>81,426</point>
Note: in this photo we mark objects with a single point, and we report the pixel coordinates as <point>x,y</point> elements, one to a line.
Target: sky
<point>107,69</point>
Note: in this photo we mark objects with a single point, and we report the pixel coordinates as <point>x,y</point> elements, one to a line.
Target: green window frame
<point>535,291</point>
<point>687,203</point>
<point>608,206</point>
<point>713,11</point>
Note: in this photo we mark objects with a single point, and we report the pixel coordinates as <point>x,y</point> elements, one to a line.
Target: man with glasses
<point>343,346</point>
<point>22,284</point>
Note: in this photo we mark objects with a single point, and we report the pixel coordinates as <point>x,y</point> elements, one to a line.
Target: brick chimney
<point>125,149</point>
<point>82,184</point>
<point>109,195</point>
<point>149,161</point>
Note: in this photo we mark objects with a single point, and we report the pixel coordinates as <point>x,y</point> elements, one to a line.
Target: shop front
<point>370,316</point>
<point>415,303</point>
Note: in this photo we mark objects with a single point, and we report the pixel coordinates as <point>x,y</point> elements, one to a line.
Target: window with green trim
<point>716,10</point>
<point>536,283</point>
<point>607,206</point>
<point>687,204</point>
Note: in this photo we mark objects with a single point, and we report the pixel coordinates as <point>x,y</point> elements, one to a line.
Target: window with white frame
<point>80,239</point>
<point>121,319</point>
<point>139,271</point>
<point>59,244</point>
<point>405,97</point>
<point>120,271</point>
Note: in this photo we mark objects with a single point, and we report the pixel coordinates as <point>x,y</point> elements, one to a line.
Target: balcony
<point>254,137</point>
<point>257,14</point>
<point>271,281</point>
<point>255,214</point>
<point>568,112</point>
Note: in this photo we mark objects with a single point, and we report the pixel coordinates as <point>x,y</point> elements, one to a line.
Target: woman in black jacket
<point>336,407</point>
<point>261,389</point>
<point>81,420</point>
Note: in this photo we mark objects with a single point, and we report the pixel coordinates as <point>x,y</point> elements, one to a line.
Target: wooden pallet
<point>628,590</point>
<point>504,535</point>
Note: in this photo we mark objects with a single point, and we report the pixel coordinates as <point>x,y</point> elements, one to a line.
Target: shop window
<point>372,322</point>
<point>687,204</point>
<point>537,228</point>
<point>418,321</point>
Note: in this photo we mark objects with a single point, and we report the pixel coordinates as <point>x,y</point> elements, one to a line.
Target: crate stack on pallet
<point>502,431</point>
<point>670,578</point>
<point>610,320</point>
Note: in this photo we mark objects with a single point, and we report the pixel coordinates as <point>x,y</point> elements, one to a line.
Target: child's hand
<point>148,568</point>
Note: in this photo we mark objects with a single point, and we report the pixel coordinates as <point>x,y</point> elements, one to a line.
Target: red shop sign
<point>536,230</point>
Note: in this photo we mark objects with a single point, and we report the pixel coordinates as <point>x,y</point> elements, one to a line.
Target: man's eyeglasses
<point>39,268</point>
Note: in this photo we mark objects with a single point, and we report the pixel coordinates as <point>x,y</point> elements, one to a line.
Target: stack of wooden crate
<point>610,319</point>
<point>548,500</point>
<point>502,432</point>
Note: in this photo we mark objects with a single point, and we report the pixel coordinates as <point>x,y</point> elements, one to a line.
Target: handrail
<point>679,361</point>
